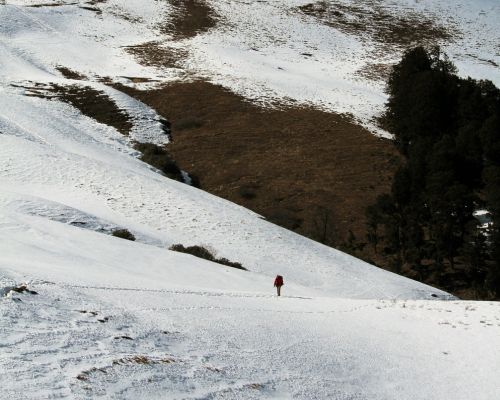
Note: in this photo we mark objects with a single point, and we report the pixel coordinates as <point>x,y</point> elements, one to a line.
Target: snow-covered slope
<point>56,161</point>
<point>122,319</point>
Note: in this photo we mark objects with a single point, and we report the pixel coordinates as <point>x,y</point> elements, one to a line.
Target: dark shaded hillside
<point>448,131</point>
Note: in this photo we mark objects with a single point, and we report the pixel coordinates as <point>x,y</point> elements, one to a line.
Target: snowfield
<point>84,314</point>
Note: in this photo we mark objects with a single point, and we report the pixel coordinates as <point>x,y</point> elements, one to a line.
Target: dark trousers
<point>278,288</point>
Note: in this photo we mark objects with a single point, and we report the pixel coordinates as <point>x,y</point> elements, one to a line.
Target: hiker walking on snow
<point>278,282</point>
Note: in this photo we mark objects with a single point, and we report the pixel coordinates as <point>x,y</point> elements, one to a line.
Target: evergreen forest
<point>447,131</point>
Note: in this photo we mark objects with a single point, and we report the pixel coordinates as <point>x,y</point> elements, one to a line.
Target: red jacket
<point>278,281</point>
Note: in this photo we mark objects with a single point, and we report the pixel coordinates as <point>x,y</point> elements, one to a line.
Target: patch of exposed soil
<point>308,170</point>
<point>96,105</point>
<point>191,18</point>
<point>70,74</point>
<point>89,101</point>
<point>157,54</point>
<point>375,71</point>
<point>375,21</point>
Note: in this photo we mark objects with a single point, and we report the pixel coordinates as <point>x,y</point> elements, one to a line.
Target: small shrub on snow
<point>202,252</point>
<point>158,157</point>
<point>124,234</point>
<point>197,251</point>
<point>225,261</point>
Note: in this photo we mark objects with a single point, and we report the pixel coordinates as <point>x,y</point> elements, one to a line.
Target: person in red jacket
<point>278,282</point>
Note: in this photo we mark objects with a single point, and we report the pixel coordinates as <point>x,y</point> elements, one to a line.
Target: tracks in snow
<point>77,346</point>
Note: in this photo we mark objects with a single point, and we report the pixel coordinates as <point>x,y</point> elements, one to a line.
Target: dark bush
<point>247,193</point>
<point>197,251</point>
<point>202,252</point>
<point>225,261</point>
<point>124,234</point>
<point>158,157</point>
<point>285,218</point>
<point>195,181</point>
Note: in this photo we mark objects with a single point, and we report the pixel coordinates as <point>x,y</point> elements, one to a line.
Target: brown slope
<point>308,170</point>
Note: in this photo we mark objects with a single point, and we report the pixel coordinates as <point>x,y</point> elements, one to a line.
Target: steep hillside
<point>63,166</point>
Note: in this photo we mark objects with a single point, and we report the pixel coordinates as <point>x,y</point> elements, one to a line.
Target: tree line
<point>447,130</point>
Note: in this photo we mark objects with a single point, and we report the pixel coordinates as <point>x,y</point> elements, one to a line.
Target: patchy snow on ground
<point>68,34</point>
<point>86,315</point>
<point>268,51</point>
<point>36,40</point>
